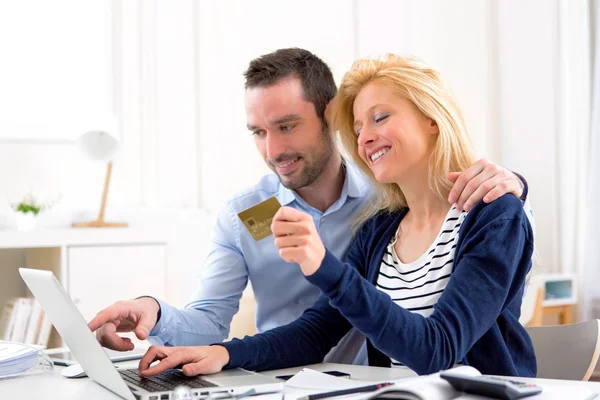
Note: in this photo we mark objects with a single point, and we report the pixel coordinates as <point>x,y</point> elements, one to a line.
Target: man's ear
<point>328,111</point>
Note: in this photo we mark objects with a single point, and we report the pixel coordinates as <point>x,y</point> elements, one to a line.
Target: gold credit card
<point>258,219</point>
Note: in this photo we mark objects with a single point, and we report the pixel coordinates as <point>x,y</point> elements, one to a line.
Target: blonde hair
<point>423,87</point>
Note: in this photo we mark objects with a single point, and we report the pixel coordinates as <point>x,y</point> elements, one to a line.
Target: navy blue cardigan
<point>475,321</point>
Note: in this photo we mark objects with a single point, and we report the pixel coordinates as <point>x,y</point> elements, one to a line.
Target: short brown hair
<point>316,77</point>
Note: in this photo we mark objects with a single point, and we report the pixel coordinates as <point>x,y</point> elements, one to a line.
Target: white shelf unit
<point>96,266</point>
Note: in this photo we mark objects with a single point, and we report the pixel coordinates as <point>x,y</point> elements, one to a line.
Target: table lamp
<point>100,145</point>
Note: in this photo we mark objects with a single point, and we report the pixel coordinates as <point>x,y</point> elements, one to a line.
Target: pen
<point>370,388</point>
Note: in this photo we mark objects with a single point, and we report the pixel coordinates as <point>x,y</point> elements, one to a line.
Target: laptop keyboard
<point>166,381</point>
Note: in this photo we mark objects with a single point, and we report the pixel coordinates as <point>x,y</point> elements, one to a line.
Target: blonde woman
<point>429,285</point>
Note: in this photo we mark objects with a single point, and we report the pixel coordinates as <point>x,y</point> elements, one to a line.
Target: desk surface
<point>53,386</point>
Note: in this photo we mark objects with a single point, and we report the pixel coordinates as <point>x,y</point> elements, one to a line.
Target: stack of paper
<point>16,358</point>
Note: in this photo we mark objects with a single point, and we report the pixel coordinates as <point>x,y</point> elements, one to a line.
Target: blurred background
<point>526,72</point>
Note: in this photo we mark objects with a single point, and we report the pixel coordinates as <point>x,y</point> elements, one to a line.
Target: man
<point>287,93</point>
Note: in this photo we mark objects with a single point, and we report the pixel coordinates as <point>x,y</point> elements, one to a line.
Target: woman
<point>429,285</point>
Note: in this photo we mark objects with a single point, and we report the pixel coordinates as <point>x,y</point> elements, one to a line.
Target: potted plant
<point>26,212</point>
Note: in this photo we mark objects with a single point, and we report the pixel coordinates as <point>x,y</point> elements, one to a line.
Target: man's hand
<point>297,239</point>
<point>138,315</point>
<point>483,180</point>
<point>192,360</point>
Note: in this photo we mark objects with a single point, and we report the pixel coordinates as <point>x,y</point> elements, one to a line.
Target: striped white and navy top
<point>417,286</point>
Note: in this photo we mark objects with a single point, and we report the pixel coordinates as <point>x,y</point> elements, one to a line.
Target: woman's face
<point>394,138</point>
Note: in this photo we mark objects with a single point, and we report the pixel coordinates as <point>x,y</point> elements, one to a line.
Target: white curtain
<point>591,250</point>
<point>573,123</point>
<point>578,148</point>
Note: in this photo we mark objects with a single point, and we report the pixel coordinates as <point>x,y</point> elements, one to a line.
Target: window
<point>55,68</point>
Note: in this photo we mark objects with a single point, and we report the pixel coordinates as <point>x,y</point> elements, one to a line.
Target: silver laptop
<point>83,344</point>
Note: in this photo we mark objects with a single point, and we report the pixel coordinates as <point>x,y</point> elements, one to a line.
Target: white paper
<point>309,379</point>
<point>16,358</point>
<point>428,387</point>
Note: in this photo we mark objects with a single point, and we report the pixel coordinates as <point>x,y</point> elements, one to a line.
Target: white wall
<point>178,68</point>
<point>179,91</point>
<point>528,113</point>
<point>230,34</point>
<point>56,71</point>
<point>501,59</point>
<point>453,37</point>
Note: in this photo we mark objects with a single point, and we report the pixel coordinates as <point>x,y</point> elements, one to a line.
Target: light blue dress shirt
<point>280,290</point>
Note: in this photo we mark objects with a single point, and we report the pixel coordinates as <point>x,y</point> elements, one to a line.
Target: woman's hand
<point>297,239</point>
<point>192,360</point>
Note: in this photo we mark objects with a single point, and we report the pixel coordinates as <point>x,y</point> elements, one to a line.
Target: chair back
<point>566,351</point>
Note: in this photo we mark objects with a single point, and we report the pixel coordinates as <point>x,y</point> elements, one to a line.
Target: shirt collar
<point>285,195</point>
<point>356,183</point>
<point>355,186</point>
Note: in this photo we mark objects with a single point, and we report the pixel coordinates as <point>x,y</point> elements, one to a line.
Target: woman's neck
<point>424,204</point>
<point>420,226</point>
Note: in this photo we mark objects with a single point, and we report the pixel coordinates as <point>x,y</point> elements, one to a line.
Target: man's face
<point>288,133</point>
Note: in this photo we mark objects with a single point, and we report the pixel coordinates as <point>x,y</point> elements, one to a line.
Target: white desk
<point>53,386</point>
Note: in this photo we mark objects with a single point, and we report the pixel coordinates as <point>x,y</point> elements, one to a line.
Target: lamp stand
<point>99,223</point>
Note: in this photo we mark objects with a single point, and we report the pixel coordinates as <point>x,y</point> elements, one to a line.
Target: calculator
<point>490,386</point>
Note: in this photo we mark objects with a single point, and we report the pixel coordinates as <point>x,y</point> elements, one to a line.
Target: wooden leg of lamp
<point>99,223</point>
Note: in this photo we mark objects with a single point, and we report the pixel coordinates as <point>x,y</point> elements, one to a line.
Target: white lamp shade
<point>99,145</point>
